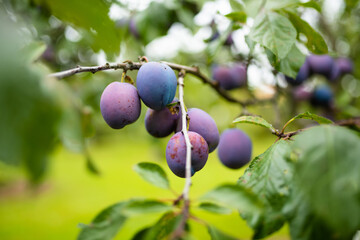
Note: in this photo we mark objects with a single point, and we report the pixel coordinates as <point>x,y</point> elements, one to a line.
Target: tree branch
<point>129,65</point>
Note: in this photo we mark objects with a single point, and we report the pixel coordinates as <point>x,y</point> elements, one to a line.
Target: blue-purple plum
<point>156,83</point>
<point>235,148</point>
<point>176,153</point>
<point>345,65</point>
<point>303,74</point>
<point>321,64</point>
<point>230,77</point>
<point>120,104</point>
<point>322,96</point>
<point>202,123</point>
<point>160,123</point>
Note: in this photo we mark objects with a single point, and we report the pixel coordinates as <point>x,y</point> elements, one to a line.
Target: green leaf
<point>237,6</point>
<point>237,16</point>
<point>216,234</point>
<point>214,208</point>
<point>274,32</point>
<point>304,224</point>
<point>235,196</point>
<point>33,51</point>
<point>253,7</point>
<point>310,116</point>
<point>291,64</point>
<point>254,120</point>
<point>29,111</point>
<point>269,176</point>
<point>164,227</point>
<point>251,44</point>
<point>105,225</point>
<point>90,165</point>
<point>92,16</point>
<point>315,42</point>
<point>328,173</point>
<point>311,4</point>
<point>153,174</point>
<point>136,207</point>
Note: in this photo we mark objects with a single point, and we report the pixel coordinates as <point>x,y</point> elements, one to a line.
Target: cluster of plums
<point>324,65</point>
<point>230,77</point>
<point>156,86</point>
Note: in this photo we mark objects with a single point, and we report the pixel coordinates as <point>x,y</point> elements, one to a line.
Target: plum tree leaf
<point>328,165</point>
<point>291,64</point>
<point>214,208</point>
<point>237,16</point>
<point>275,32</point>
<point>29,111</point>
<point>153,174</point>
<point>143,206</point>
<point>216,234</point>
<point>237,6</point>
<point>105,225</point>
<point>311,4</point>
<point>33,50</point>
<point>310,116</point>
<point>163,228</point>
<point>235,196</point>
<point>92,16</point>
<point>90,165</point>
<point>255,120</point>
<point>315,42</point>
<point>253,7</point>
<point>269,176</point>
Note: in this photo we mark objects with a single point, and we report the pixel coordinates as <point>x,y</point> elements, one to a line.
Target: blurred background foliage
<point>45,119</point>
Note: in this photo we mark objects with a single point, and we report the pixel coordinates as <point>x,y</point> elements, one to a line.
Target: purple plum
<point>120,104</point>
<point>235,148</point>
<point>176,153</point>
<point>203,124</point>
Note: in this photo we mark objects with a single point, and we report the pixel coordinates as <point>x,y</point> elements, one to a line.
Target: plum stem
<point>186,136</point>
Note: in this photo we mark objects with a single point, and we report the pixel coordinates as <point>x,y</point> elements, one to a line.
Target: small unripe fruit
<point>120,104</point>
<point>202,123</point>
<point>235,148</point>
<point>156,83</point>
<point>176,153</point>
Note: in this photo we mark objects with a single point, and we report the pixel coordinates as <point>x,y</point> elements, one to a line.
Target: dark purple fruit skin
<point>176,153</point>
<point>202,123</point>
<point>120,104</point>
<point>160,123</point>
<point>322,96</point>
<point>235,148</point>
<point>321,64</point>
<point>345,65</point>
<point>156,83</point>
<point>230,77</point>
<point>303,74</point>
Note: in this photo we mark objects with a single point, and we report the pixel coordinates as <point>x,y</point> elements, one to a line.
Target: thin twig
<point>129,65</point>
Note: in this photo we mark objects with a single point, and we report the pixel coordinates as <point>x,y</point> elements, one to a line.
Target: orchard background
<point>61,164</point>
